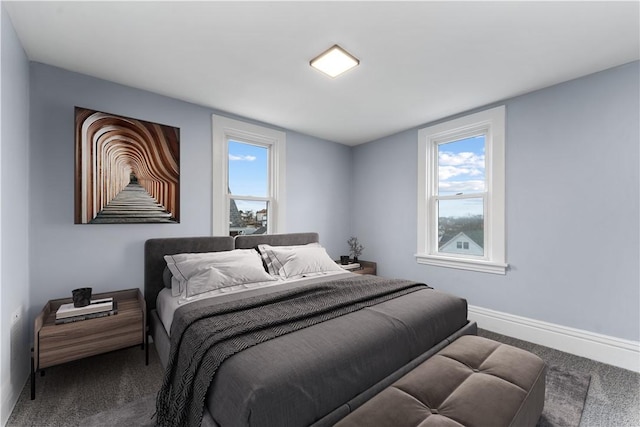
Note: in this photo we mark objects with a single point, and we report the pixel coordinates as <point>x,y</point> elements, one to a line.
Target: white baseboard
<point>606,349</point>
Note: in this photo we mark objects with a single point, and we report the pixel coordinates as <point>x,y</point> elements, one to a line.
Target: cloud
<point>471,186</point>
<point>459,165</point>
<point>466,158</point>
<point>245,158</point>
<point>446,172</point>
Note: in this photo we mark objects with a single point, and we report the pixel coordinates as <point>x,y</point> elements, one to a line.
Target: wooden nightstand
<point>56,344</point>
<point>366,267</point>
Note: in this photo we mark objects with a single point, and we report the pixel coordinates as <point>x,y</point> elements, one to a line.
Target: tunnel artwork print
<point>126,170</point>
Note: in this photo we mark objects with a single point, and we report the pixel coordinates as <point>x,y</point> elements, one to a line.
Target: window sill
<point>462,264</point>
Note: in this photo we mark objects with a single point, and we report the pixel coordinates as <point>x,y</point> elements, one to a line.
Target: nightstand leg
<point>146,350</point>
<point>33,380</point>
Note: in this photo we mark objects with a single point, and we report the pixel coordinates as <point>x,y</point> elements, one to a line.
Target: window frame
<point>491,123</point>
<point>225,129</point>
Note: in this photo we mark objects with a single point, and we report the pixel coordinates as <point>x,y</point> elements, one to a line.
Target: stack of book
<point>351,266</point>
<point>67,313</point>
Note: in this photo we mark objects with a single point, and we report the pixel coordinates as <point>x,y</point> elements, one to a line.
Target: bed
<point>313,375</point>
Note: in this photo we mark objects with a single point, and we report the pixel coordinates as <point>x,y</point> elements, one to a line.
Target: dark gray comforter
<point>297,378</point>
<point>204,337</point>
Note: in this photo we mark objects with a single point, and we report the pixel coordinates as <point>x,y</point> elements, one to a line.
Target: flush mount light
<point>334,61</point>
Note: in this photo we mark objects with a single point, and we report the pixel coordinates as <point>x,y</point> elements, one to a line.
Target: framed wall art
<point>126,170</point>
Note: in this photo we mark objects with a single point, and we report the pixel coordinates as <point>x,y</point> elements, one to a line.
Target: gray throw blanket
<point>203,337</point>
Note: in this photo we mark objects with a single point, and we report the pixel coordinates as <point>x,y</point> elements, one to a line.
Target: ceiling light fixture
<point>334,61</point>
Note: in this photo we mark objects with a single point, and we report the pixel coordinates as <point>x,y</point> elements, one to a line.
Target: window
<point>461,171</point>
<point>459,245</point>
<point>249,177</point>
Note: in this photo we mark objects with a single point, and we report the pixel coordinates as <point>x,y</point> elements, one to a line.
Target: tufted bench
<point>472,382</point>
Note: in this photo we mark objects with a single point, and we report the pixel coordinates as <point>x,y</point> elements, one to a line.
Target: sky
<point>248,173</point>
<point>461,169</point>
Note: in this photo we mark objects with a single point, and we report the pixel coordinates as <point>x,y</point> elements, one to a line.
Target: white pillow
<point>290,262</point>
<point>271,262</point>
<point>202,272</point>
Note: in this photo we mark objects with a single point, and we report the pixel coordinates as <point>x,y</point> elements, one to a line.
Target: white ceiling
<point>420,61</point>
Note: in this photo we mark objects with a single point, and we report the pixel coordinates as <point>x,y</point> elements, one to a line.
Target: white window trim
<point>223,129</point>
<point>493,122</point>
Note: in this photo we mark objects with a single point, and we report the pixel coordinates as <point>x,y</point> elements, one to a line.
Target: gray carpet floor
<point>565,394</point>
<point>613,399</point>
<point>80,393</point>
<point>69,393</point>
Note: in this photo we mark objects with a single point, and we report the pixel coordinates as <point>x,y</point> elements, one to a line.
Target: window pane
<point>248,173</point>
<point>461,166</point>
<point>461,226</point>
<point>247,217</point>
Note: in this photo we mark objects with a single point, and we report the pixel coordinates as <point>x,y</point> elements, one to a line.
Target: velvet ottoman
<point>473,382</point>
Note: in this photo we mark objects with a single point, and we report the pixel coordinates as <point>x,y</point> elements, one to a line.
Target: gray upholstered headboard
<point>253,240</point>
<point>156,249</point>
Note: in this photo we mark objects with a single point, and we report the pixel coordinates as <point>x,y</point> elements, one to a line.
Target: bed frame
<point>154,264</point>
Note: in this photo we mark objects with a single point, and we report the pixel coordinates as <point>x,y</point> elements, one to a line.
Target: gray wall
<point>319,189</point>
<point>14,214</point>
<point>64,256</point>
<point>572,211</point>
